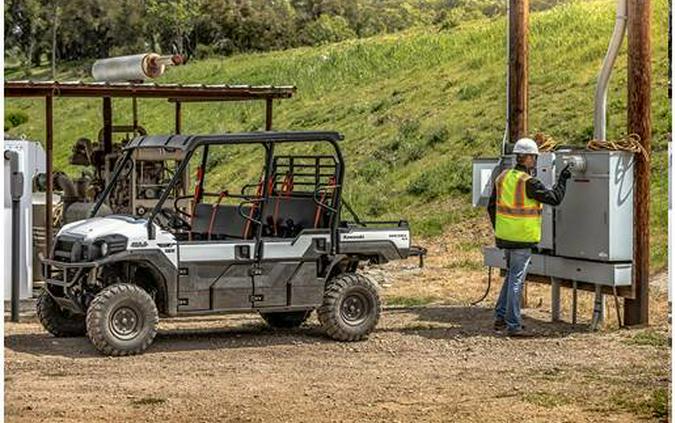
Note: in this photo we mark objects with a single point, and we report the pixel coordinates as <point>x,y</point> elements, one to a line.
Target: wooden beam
<point>518,69</point>
<point>636,311</point>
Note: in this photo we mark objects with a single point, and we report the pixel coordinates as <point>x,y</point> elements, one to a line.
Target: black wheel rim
<point>126,323</point>
<point>355,308</point>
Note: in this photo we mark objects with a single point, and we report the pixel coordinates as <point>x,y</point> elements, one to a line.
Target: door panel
<point>287,273</point>
<point>215,275</point>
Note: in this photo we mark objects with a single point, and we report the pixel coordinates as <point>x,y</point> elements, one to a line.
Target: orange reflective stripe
<point>519,199</point>
<point>519,212</point>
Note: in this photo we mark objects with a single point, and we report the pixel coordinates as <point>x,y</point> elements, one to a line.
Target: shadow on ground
<point>432,322</point>
<point>438,322</point>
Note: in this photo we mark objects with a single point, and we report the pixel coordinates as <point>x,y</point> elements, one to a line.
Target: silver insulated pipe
<point>600,112</point>
<point>137,67</point>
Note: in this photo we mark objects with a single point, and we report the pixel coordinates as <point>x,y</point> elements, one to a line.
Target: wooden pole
<point>519,11</point>
<point>636,311</point>
<point>518,74</point>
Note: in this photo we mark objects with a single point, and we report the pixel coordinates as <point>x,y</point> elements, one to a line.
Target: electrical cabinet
<point>595,221</point>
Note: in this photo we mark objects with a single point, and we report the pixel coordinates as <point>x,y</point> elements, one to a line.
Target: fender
<point>161,265</point>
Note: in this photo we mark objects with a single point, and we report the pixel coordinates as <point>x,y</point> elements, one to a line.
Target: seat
<point>290,215</point>
<point>227,222</point>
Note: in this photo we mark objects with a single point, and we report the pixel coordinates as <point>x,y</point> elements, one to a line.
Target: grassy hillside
<point>414,107</point>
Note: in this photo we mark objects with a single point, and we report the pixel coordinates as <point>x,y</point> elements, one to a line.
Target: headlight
<point>104,248</point>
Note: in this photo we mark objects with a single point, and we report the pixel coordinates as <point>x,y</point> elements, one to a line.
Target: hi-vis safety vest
<point>518,218</point>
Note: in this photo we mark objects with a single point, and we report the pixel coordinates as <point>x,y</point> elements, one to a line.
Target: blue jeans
<point>508,304</point>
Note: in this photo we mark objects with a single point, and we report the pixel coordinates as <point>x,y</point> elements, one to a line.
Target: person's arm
<point>536,190</point>
<point>492,205</point>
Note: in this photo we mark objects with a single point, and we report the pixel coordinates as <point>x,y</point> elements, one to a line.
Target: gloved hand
<point>566,173</point>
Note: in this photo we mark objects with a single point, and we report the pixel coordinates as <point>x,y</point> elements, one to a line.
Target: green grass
<point>415,107</point>
<point>654,404</point>
<point>547,400</point>
<point>409,301</point>
<point>651,338</point>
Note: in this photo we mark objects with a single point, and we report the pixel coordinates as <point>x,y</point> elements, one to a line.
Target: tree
<point>327,29</point>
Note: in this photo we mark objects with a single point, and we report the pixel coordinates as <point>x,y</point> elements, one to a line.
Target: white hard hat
<point>526,146</point>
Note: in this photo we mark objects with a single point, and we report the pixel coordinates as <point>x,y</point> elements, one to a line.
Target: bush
<point>437,135</point>
<point>14,119</point>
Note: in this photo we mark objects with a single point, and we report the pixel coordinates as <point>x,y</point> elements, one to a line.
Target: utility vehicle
<point>276,245</point>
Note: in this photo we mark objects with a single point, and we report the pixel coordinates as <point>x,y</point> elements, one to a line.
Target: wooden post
<point>107,125</point>
<point>178,118</point>
<point>518,74</point>
<point>49,141</point>
<point>636,311</point>
<point>268,114</point>
<point>519,11</point>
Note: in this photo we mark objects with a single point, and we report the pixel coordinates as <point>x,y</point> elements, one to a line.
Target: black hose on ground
<point>487,290</point>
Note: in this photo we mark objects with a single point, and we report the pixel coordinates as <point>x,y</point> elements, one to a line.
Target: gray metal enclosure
<point>595,221</point>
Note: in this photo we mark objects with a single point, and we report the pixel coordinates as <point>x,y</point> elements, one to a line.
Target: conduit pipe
<point>600,112</point>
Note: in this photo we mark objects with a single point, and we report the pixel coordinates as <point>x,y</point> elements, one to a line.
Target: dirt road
<point>429,364</point>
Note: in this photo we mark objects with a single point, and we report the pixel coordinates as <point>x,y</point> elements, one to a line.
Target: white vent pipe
<point>600,112</point>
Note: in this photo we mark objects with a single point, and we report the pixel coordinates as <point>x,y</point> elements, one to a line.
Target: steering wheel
<point>175,220</point>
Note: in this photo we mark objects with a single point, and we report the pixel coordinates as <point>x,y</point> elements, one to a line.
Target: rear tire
<point>122,320</point>
<point>351,307</point>
<point>58,322</point>
<point>286,319</point>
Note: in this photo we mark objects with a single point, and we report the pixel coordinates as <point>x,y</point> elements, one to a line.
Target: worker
<point>515,208</point>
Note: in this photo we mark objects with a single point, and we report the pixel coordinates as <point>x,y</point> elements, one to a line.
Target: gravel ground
<point>437,362</point>
<point>422,364</point>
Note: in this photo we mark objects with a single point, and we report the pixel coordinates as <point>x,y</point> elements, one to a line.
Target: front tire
<point>351,307</point>
<point>122,320</point>
<point>286,319</point>
<point>58,322</point>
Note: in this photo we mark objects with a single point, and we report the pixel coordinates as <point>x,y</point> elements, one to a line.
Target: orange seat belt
<point>319,209</point>
<point>214,211</point>
<point>198,193</point>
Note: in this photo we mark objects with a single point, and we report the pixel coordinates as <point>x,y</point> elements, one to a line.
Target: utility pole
<point>636,311</point>
<point>519,12</point>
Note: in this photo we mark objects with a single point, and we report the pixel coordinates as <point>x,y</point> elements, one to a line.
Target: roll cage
<point>268,140</point>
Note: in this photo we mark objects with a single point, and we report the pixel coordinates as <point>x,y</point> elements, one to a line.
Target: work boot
<point>500,324</point>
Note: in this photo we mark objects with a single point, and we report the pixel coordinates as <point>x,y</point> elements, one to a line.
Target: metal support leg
<point>555,299</point>
<point>598,308</point>
<point>574,302</point>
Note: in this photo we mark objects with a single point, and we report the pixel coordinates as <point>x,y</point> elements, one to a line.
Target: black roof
<point>190,142</point>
